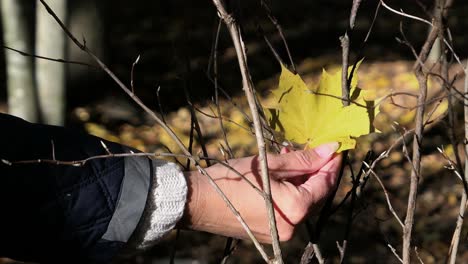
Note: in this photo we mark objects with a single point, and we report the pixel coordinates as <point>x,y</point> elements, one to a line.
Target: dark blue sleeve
<point>56,213</point>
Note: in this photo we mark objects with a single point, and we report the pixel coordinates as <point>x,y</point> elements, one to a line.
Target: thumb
<point>297,163</point>
<point>321,183</point>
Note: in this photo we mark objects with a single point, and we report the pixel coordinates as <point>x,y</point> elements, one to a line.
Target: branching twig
<point>417,143</point>
<point>464,200</point>
<point>342,249</point>
<point>82,162</point>
<point>164,126</point>
<point>216,87</point>
<point>234,31</point>
<point>345,98</point>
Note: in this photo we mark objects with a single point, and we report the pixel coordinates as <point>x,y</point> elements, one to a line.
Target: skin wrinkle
<point>192,199</point>
<point>296,181</point>
<point>298,188</point>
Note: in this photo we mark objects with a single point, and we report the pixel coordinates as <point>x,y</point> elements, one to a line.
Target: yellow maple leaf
<point>316,116</point>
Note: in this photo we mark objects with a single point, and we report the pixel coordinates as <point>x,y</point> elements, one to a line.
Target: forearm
<point>299,180</point>
<point>207,211</point>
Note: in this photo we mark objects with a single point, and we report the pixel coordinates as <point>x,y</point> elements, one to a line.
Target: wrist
<point>194,206</point>
<point>205,210</point>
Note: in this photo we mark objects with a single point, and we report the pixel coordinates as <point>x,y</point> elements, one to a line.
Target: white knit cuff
<point>168,194</point>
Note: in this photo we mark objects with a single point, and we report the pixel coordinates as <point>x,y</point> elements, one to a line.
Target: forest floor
<point>162,34</point>
<point>373,227</point>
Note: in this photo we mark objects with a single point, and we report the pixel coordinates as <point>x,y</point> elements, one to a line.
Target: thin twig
<point>376,13</point>
<point>275,22</point>
<point>236,37</point>
<point>345,99</point>
<point>165,127</point>
<point>225,119</point>
<point>387,197</point>
<point>354,9</point>
<point>342,249</point>
<point>308,254</point>
<point>318,254</point>
<point>356,183</point>
<point>195,123</point>
<point>228,249</point>
<point>344,69</point>
<point>451,164</point>
<point>394,252</point>
<point>231,100</point>
<point>216,87</point>
<point>131,73</point>
<point>158,98</point>
<point>82,162</point>
<point>401,13</point>
<point>417,255</point>
<point>449,89</point>
<point>453,250</point>
<point>49,59</point>
<point>106,148</point>
<point>53,149</point>
<point>275,54</point>
<point>417,144</point>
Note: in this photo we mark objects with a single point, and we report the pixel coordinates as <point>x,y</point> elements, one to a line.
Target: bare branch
<point>275,54</point>
<point>401,13</point>
<point>158,98</point>
<point>417,143</point>
<point>236,37</point>
<point>342,249</point>
<point>131,73</point>
<point>49,59</point>
<point>354,9</point>
<point>275,22</point>
<point>453,250</point>
<point>82,162</point>
<point>344,70</point>
<point>53,149</point>
<point>105,148</point>
<point>216,86</point>
<point>387,197</point>
<point>163,125</point>
<point>394,252</point>
<point>417,255</point>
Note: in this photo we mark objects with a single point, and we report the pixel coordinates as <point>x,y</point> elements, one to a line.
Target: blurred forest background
<point>174,41</point>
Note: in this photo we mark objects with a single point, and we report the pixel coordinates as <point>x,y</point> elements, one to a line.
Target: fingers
<point>318,185</point>
<point>302,162</point>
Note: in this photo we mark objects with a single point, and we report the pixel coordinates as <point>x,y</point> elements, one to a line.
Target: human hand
<point>300,181</point>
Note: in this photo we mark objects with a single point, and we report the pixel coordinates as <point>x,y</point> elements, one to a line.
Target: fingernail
<point>326,150</point>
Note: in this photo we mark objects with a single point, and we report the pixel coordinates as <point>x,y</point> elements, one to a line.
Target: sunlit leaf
<point>316,116</point>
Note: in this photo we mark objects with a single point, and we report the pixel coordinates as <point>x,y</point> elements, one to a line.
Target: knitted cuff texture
<point>168,195</point>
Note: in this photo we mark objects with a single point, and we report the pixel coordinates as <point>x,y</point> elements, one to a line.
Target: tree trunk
<point>19,68</point>
<point>50,76</point>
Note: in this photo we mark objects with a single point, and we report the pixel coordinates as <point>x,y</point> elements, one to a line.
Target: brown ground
<point>373,226</point>
<point>312,29</point>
